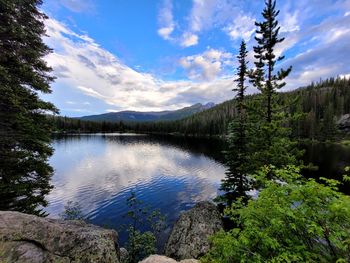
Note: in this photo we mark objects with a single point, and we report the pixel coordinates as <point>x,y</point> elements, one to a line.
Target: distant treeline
<point>319,104</point>
<point>72,125</point>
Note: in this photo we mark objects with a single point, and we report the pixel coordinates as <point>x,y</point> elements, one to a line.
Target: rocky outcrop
<point>124,255</point>
<point>164,259</point>
<point>28,238</point>
<point>189,237</point>
<point>344,123</point>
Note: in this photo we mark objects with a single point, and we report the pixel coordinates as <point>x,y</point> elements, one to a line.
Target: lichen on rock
<point>28,238</point>
<point>189,237</point>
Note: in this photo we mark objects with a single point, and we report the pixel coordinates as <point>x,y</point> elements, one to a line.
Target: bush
<point>145,225</point>
<point>292,220</point>
<point>72,211</point>
<point>140,244</point>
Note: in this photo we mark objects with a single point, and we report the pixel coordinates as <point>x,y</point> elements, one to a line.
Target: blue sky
<point>112,55</point>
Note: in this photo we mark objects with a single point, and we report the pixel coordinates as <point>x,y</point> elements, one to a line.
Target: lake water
<point>99,172</point>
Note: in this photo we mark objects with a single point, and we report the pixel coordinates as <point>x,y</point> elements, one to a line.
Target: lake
<point>99,172</point>
<point>171,174</point>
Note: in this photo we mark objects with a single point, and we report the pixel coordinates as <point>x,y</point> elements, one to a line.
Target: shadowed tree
<point>24,128</point>
<point>265,77</point>
<point>236,182</point>
<point>272,137</point>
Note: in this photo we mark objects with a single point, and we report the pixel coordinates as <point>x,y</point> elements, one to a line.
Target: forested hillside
<point>136,116</point>
<point>322,104</point>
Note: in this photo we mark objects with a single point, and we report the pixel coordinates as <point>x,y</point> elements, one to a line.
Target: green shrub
<point>291,220</point>
<point>140,243</point>
<point>72,211</point>
<point>345,142</point>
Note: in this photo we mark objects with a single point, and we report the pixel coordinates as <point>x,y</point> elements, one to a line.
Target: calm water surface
<point>171,174</point>
<point>100,171</point>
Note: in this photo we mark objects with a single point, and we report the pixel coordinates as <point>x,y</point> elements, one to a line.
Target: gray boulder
<point>189,236</point>
<point>164,259</point>
<point>344,122</point>
<point>124,255</point>
<point>28,238</point>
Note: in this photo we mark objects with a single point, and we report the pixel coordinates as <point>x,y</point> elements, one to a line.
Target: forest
<point>320,106</point>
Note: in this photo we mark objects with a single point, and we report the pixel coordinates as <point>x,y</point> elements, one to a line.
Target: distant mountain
<point>136,116</point>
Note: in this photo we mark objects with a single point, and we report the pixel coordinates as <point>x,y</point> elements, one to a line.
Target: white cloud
<point>165,32</point>
<point>165,19</point>
<point>204,16</point>
<point>345,76</point>
<point>189,39</point>
<point>206,66</point>
<point>327,58</point>
<point>290,22</point>
<point>241,28</point>
<point>337,33</point>
<point>80,63</point>
<point>77,6</point>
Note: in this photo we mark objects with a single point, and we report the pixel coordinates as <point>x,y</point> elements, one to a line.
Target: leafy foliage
<point>294,220</point>
<point>24,128</point>
<point>142,243</point>
<point>72,211</point>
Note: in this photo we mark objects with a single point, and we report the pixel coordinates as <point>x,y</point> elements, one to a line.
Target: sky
<point>148,55</point>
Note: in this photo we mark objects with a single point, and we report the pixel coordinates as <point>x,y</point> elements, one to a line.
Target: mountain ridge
<point>139,116</point>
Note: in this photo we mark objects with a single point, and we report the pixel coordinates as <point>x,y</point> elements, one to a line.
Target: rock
<point>189,237</point>
<point>344,122</point>
<point>158,259</point>
<point>124,255</point>
<point>164,259</point>
<point>28,238</point>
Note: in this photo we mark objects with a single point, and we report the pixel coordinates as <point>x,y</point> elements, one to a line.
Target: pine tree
<point>24,128</point>
<point>264,76</point>
<point>272,144</point>
<point>236,182</point>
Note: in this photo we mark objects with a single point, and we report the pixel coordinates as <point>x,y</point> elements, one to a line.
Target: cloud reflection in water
<point>99,172</point>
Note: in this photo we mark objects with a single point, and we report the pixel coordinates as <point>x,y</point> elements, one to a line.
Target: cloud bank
<point>316,45</point>
<point>79,62</point>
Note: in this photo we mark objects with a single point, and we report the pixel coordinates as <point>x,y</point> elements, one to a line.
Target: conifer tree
<point>236,182</point>
<point>272,143</point>
<point>24,128</point>
<point>264,76</point>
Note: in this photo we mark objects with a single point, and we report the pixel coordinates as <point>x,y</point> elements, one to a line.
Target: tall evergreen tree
<point>236,182</point>
<point>264,76</point>
<point>24,128</point>
<point>272,145</point>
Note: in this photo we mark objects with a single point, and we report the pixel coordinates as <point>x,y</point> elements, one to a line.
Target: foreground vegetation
<point>25,133</point>
<point>298,220</point>
<point>290,218</point>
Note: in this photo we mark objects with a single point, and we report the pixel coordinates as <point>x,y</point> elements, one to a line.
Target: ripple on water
<point>100,172</point>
